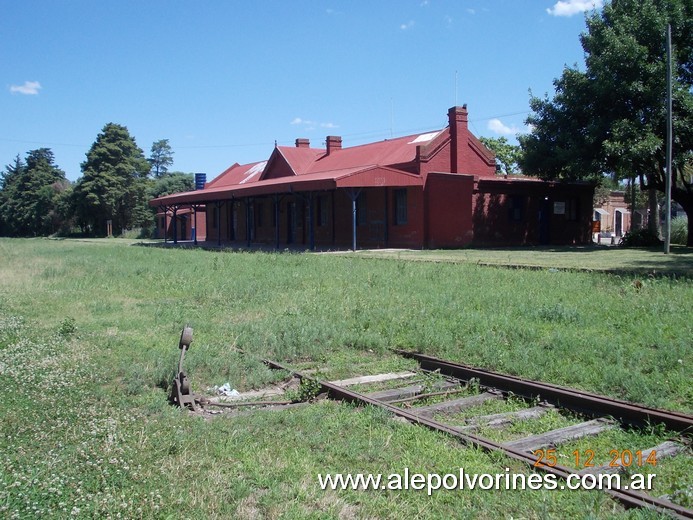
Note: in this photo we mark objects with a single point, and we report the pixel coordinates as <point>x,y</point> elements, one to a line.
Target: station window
<point>260,210</point>
<point>400,207</point>
<point>572,209</point>
<point>361,209</point>
<point>516,208</point>
<point>321,210</point>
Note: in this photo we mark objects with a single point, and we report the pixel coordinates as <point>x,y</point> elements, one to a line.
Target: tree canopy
<point>172,182</point>
<point>36,198</point>
<point>611,117</point>
<point>507,155</point>
<point>114,182</point>
<point>161,158</point>
<point>32,195</point>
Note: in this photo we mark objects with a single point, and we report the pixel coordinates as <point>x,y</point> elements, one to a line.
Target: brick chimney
<point>333,143</point>
<point>457,119</point>
<point>302,143</point>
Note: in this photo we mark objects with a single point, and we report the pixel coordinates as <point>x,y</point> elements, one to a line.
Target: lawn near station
<point>604,259</point>
<point>88,343</point>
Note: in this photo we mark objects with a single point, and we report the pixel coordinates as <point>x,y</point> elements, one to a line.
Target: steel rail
<point>628,498</point>
<point>577,400</point>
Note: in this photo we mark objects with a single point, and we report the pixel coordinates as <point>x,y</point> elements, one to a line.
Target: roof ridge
<point>393,139</point>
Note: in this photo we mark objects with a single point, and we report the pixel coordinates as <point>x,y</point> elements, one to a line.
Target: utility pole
<point>667,229</point>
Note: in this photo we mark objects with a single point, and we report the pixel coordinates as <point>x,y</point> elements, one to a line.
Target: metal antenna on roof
<point>275,143</point>
<point>455,89</point>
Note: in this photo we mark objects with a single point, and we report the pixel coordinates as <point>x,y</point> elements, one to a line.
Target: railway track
<point>456,388</point>
<point>602,414</point>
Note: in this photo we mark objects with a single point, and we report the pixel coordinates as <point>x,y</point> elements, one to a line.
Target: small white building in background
<point>613,218</point>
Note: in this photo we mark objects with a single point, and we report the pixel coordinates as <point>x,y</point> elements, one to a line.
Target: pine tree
<point>113,184</point>
<point>161,158</point>
<point>30,193</point>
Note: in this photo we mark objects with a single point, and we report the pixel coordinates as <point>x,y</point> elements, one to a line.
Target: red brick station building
<point>434,190</point>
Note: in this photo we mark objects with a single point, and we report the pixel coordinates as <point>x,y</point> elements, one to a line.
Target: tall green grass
<point>599,332</point>
<point>88,346</point>
<point>679,230</point>
<point>614,260</point>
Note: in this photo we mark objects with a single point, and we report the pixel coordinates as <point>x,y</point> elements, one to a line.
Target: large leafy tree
<point>172,182</point>
<point>507,155</point>
<point>114,183</point>
<point>31,193</point>
<point>161,158</point>
<point>611,117</point>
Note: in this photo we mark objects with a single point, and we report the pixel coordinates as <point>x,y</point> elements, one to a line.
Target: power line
<point>191,147</point>
<point>370,133</point>
<point>40,142</point>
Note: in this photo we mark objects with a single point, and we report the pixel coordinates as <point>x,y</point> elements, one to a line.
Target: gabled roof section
<point>431,147</point>
<point>219,178</point>
<point>301,159</point>
<point>402,161</point>
<point>390,152</point>
<point>238,174</point>
<point>287,161</point>
<point>481,149</point>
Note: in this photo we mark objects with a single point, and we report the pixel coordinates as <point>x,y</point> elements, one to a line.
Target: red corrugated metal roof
<point>238,174</point>
<point>370,176</point>
<point>358,166</point>
<point>300,159</point>
<point>383,153</point>
<point>389,152</point>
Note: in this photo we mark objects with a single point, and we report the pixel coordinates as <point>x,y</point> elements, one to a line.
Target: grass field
<point>589,258</point>
<point>88,345</point>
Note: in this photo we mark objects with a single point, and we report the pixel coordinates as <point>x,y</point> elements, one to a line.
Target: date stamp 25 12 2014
<point>585,458</point>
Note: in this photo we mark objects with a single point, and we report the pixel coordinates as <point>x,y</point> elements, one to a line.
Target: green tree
<point>63,210</point>
<point>114,183</point>
<point>30,193</point>
<point>7,181</point>
<point>603,189</point>
<point>161,158</point>
<point>507,155</point>
<point>611,118</point>
<point>172,182</point>
<point>11,172</point>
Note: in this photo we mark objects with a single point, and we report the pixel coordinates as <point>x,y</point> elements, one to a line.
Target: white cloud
<point>571,7</point>
<point>407,25</point>
<point>471,11</point>
<point>300,121</point>
<point>310,125</point>
<point>497,126</point>
<point>30,88</point>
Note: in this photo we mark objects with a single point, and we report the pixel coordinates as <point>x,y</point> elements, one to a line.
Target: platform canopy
<point>358,177</point>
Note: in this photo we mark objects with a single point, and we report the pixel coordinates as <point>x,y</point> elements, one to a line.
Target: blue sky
<point>224,80</point>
